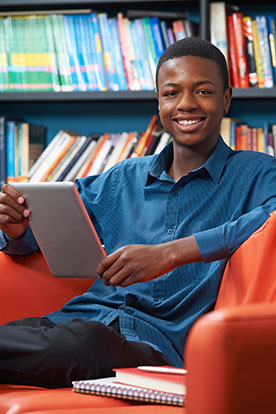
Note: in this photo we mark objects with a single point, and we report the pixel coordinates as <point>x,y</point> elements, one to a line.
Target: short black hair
<point>193,46</point>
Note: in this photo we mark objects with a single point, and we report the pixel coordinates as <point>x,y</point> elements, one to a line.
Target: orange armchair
<point>230,352</point>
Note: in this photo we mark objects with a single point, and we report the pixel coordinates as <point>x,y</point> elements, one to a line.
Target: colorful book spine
<point>89,51</point>
<point>233,54</point>
<point>124,49</point>
<point>111,74</point>
<point>117,53</point>
<point>11,142</point>
<point>157,36</point>
<point>241,50</point>
<point>257,54</point>
<point>248,33</point>
<point>100,71</point>
<point>179,29</point>
<point>271,25</point>
<point>150,45</point>
<point>141,40</point>
<point>4,81</point>
<point>265,50</point>
<point>3,150</point>
<point>218,29</point>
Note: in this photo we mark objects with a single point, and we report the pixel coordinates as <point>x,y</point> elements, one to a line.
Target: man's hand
<point>140,263</point>
<point>13,212</point>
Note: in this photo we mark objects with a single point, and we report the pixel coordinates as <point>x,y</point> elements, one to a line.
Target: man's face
<point>192,101</point>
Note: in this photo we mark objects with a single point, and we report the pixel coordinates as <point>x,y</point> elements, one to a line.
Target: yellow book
<point>261,140</point>
<point>258,58</point>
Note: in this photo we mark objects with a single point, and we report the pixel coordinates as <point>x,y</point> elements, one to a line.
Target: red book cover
<point>233,56</point>
<point>238,138</point>
<point>158,381</point>
<point>241,50</point>
<point>254,139</point>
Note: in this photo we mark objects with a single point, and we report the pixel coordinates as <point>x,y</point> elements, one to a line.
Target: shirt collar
<point>214,165</point>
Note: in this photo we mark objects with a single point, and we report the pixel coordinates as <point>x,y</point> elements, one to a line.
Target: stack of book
<point>241,136</point>
<point>159,385</point>
<point>21,144</point>
<point>86,51</point>
<point>70,155</point>
<point>248,43</point>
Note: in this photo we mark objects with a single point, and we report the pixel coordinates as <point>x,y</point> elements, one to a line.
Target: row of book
<point>70,155</point>
<point>86,51</point>
<point>240,136</point>
<point>248,43</point>
<point>21,143</point>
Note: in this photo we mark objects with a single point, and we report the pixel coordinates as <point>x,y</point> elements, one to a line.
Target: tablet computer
<point>62,228</point>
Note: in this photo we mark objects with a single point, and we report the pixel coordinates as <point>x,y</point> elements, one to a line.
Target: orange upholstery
<point>27,288</point>
<point>231,352</point>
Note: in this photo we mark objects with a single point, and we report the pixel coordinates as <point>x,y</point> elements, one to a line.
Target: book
<point>179,29</point>
<point>239,40</point>
<point>107,387</point>
<point>174,383</point>
<point>271,26</point>
<point>218,26</point>
<point>248,33</point>
<point>3,150</point>
<point>257,55</point>
<point>233,54</point>
<point>265,50</point>
<point>10,148</point>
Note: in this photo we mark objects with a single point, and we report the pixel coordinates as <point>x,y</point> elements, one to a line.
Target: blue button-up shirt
<point>221,204</point>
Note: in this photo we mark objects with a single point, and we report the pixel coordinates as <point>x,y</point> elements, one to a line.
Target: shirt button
<point>170,231</point>
<point>175,194</point>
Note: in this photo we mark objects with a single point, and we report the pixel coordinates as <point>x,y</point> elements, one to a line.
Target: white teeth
<point>188,122</point>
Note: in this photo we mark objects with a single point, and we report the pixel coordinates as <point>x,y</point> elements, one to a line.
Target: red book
<point>238,138</point>
<point>241,50</point>
<point>233,56</point>
<point>157,381</point>
<point>254,139</point>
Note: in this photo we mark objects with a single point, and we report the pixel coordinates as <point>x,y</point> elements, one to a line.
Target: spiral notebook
<point>107,387</point>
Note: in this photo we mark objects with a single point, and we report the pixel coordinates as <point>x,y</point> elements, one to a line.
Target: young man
<point>169,223</point>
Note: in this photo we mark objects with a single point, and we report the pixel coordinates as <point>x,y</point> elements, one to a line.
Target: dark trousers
<point>36,351</point>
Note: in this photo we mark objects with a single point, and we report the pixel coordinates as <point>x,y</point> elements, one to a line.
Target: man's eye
<point>169,93</point>
<point>204,92</point>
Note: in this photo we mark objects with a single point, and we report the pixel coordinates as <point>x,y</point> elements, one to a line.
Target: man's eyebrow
<point>172,84</point>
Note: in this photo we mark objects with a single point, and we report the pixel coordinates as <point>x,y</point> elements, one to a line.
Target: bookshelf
<point>58,109</point>
<point>89,111</point>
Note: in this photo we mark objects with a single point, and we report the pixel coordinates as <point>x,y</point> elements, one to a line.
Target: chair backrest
<point>250,274</point>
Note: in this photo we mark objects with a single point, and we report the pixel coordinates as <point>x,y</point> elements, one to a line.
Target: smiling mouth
<point>188,122</point>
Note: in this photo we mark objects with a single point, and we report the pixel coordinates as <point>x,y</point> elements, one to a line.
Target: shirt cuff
<point>22,246</point>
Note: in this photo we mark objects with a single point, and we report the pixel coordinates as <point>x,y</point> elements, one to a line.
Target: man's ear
<point>227,99</point>
<point>157,96</point>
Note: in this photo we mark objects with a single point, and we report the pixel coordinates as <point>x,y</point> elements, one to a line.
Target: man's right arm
<point>16,236</point>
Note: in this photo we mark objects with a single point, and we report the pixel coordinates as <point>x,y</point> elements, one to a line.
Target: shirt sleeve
<point>222,241</point>
<point>25,245</point>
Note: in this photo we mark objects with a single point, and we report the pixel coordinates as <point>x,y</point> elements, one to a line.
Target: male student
<point>169,223</point>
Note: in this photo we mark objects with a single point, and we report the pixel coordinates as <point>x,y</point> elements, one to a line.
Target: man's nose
<point>187,101</point>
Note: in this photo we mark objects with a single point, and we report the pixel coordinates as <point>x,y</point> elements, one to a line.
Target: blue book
<point>81,47</point>
<point>3,151</point>
<point>157,36</point>
<point>99,51</point>
<point>69,29</point>
<point>117,53</point>
<point>137,62</point>
<point>145,53</point>
<point>11,142</point>
<point>271,26</point>
<point>265,50</point>
<point>88,51</point>
<point>107,44</point>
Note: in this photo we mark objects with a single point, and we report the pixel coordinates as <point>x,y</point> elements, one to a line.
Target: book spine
<point>271,24</point>
<point>241,51</point>
<point>257,54</point>
<point>157,36</point>
<point>179,29</point>
<point>218,29</point>
<point>248,33</point>
<point>233,54</point>
<point>3,151</point>
<point>88,52</point>
<point>117,54</point>
<point>10,151</point>
<point>98,52</point>
<point>125,56</point>
<point>265,50</point>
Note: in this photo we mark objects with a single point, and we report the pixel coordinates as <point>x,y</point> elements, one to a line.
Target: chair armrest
<point>231,361</point>
<point>27,287</point>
